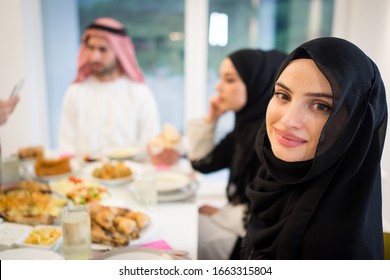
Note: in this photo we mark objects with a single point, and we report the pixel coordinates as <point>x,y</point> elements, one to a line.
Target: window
<point>157,30</point>
<point>265,24</point>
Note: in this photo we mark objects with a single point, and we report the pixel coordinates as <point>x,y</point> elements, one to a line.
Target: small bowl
<point>53,246</point>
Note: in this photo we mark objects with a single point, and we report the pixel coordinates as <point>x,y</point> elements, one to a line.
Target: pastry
<point>49,167</point>
<point>30,152</point>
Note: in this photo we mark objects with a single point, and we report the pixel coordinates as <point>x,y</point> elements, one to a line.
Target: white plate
<point>63,187</point>
<point>169,181</point>
<point>122,153</point>
<point>29,254</point>
<point>181,194</point>
<point>54,246</point>
<point>55,177</point>
<point>135,168</point>
<point>146,233</point>
<point>28,171</point>
<point>136,254</point>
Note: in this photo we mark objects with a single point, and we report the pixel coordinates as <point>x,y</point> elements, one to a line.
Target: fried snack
<point>125,225</point>
<point>43,236</point>
<point>49,167</point>
<point>104,218</point>
<point>99,234</point>
<point>116,226</point>
<point>34,186</point>
<point>112,171</point>
<point>141,219</point>
<point>30,152</point>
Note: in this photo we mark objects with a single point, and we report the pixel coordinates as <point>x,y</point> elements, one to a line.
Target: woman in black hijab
<point>320,201</point>
<point>246,78</point>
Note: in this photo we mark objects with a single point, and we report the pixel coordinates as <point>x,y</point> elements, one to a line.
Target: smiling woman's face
<point>298,111</point>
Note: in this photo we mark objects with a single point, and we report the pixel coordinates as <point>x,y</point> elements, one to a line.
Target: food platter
<point>133,166</point>
<point>44,232</point>
<point>80,190</point>
<point>28,171</point>
<point>145,229</point>
<point>31,203</point>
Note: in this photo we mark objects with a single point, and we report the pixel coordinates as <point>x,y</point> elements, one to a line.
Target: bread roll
<point>30,152</point>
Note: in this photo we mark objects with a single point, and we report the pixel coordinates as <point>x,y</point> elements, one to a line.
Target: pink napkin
<point>159,245</point>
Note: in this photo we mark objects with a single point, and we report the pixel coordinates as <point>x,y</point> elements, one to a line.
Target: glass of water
<point>76,231</point>
<point>9,171</point>
<point>145,189</point>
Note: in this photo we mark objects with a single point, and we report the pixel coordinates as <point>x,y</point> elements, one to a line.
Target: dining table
<point>174,222</point>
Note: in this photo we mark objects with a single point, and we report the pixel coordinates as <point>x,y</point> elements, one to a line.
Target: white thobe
<point>98,115</point>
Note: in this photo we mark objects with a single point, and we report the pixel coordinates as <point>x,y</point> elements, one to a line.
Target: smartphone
<point>17,88</point>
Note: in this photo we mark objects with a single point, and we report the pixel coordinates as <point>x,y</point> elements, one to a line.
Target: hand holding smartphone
<point>17,88</point>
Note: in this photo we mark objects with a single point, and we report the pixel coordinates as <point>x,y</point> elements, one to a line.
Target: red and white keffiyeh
<point>114,32</point>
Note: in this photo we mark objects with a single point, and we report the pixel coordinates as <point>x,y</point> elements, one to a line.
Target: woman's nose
<point>293,116</point>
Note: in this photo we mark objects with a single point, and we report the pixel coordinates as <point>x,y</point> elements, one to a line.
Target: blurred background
<point>179,44</point>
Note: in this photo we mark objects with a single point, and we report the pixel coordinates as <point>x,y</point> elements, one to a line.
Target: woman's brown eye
<point>322,107</point>
<point>281,95</point>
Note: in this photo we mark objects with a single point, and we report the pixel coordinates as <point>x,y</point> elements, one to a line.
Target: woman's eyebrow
<point>282,86</point>
<point>310,94</point>
<point>320,94</point>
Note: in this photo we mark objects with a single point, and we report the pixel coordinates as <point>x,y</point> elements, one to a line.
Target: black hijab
<point>328,207</point>
<point>257,69</point>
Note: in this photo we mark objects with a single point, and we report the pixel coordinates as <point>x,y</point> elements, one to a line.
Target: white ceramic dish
<point>134,167</point>
<point>181,194</point>
<point>55,177</point>
<point>29,254</point>
<point>123,153</point>
<point>53,246</point>
<point>28,171</point>
<point>169,181</point>
<point>11,233</point>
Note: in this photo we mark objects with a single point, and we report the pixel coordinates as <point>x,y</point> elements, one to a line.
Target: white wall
<point>367,24</point>
<point>21,56</point>
<point>196,30</point>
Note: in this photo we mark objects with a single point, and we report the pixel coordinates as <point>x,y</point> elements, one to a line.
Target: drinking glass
<point>76,231</point>
<point>145,188</point>
<point>9,170</point>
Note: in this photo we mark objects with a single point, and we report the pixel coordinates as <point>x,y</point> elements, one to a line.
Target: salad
<point>81,191</point>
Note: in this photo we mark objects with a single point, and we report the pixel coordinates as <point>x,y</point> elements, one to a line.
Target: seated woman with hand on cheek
<point>244,87</point>
<point>317,194</point>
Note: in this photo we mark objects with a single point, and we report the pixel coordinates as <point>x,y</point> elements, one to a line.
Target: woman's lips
<point>288,139</point>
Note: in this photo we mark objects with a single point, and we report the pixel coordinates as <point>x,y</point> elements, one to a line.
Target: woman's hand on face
<point>215,109</point>
<point>208,210</point>
<point>7,107</point>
